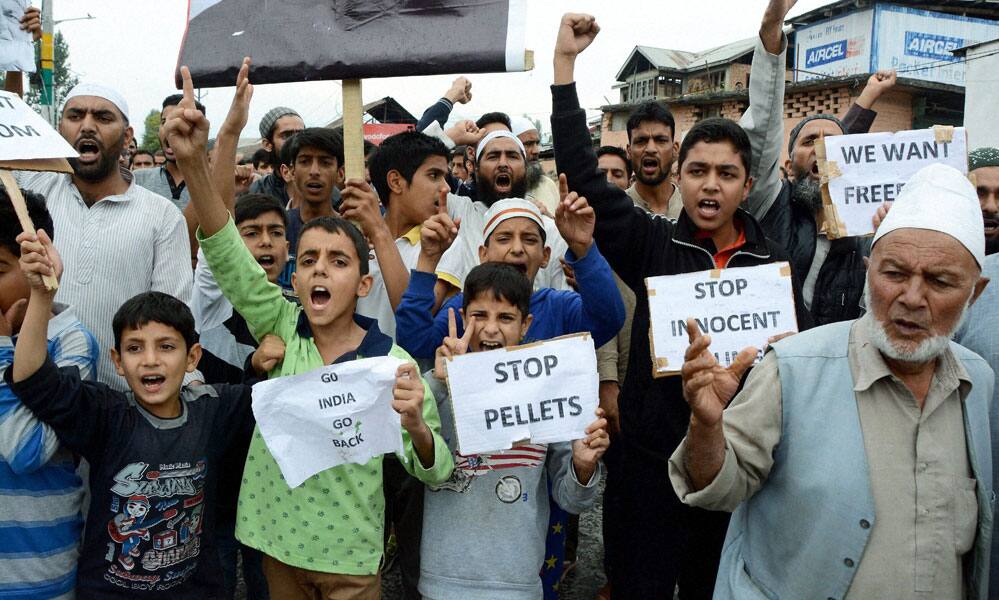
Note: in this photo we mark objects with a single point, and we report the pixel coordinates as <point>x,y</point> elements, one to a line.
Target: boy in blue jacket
<point>514,234</point>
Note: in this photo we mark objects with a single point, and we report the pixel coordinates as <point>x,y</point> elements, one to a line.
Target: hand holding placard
<point>586,452</point>
<point>708,387</point>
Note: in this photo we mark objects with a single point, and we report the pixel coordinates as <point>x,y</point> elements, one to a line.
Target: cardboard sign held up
<point>17,50</point>
<point>29,143</point>
<point>305,40</point>
<point>331,416</point>
<point>738,307</point>
<point>544,392</point>
<point>862,172</point>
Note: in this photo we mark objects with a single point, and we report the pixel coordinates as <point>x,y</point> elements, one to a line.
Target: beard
<point>661,175</point>
<point>487,194</point>
<point>105,165</point>
<point>534,174</point>
<point>926,351</point>
<point>807,191</point>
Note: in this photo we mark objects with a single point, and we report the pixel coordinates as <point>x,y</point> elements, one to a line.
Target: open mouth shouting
<point>266,261</point>
<point>314,188</point>
<point>650,166</point>
<point>320,297</point>
<point>708,209</point>
<point>486,345</point>
<point>503,182</point>
<point>89,150</point>
<point>153,383</point>
<point>991,225</point>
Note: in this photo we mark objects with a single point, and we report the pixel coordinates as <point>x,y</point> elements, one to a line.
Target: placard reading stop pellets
<point>545,392</point>
<point>331,416</point>
<point>738,307</point>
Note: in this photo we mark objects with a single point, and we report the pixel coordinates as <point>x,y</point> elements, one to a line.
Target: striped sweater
<point>40,493</point>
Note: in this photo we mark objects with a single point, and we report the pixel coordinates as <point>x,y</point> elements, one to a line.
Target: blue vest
<point>803,534</point>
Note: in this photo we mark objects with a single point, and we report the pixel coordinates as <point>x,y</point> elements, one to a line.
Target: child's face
<point>418,198</point>
<point>713,183</point>
<point>13,284</point>
<point>153,359</point>
<point>264,236</point>
<point>316,172</point>
<point>327,276</point>
<point>498,323</point>
<point>517,242</point>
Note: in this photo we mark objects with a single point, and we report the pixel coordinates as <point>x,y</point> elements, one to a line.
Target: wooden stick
<point>353,129</point>
<point>51,283</point>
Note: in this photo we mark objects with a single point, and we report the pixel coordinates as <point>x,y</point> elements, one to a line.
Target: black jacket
<point>654,415</point>
<point>840,284</point>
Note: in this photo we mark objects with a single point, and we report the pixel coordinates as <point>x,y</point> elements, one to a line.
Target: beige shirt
<point>921,480</point>
<point>673,208</point>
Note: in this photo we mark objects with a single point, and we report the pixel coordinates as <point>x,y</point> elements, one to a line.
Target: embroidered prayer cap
<point>510,208</point>
<point>100,91</point>
<point>983,157</point>
<point>501,133</point>
<point>522,125</point>
<point>939,198</point>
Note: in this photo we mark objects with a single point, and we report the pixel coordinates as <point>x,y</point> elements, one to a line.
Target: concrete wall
<point>981,93</point>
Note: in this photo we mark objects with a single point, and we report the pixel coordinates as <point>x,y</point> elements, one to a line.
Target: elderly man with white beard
<point>857,458</point>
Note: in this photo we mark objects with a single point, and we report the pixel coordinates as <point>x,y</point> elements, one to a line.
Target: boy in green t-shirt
<point>325,536</point>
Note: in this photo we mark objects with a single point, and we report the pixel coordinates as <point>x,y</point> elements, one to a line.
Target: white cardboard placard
<point>24,134</point>
<point>738,307</point>
<point>864,171</point>
<point>544,392</point>
<point>328,417</point>
<point>17,50</point>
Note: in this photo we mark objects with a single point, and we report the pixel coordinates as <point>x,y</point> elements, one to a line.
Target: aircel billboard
<point>917,43</point>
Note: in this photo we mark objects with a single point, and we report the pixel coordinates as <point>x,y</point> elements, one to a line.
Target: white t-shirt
<point>464,253</point>
<point>376,304</point>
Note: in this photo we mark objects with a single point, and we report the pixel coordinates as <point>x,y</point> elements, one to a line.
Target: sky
<point>133,45</point>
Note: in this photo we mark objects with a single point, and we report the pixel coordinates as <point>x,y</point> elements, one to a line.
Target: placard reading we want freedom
<point>737,307</point>
<point>331,416</point>
<point>862,172</point>
<point>545,393</point>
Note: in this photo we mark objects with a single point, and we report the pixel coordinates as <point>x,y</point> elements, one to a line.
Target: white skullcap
<point>101,91</point>
<point>510,208</point>
<point>521,125</point>
<point>939,198</point>
<point>502,133</point>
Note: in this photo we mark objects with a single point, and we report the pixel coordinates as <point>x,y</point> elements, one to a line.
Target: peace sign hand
<point>708,387</point>
<point>452,345</point>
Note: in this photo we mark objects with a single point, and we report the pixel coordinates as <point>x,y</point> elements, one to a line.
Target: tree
<point>151,135</point>
<point>63,79</point>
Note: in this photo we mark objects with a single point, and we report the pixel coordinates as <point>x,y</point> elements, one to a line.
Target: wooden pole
<point>51,283</point>
<point>353,129</point>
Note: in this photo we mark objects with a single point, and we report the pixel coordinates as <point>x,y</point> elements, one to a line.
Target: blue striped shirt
<point>40,492</point>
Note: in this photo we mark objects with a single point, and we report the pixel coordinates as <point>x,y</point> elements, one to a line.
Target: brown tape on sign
<point>943,133</point>
<point>716,273</point>
<point>831,223</point>
<point>831,171</point>
<point>785,271</point>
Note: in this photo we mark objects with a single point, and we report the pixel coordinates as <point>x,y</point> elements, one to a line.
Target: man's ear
<point>746,188</point>
<point>396,182</point>
<point>129,135</point>
<point>193,357</point>
<point>546,257</point>
<point>980,286</point>
<point>341,180</point>
<point>364,286</point>
<point>267,145</point>
<point>116,359</point>
<point>787,167</point>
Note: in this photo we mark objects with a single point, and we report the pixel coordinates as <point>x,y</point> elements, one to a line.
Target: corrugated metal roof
<point>984,9</point>
<point>681,60</point>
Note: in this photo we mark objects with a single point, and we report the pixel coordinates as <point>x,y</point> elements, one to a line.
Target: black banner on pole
<point>304,40</point>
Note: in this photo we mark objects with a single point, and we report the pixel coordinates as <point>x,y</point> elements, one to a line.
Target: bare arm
<point>38,258</point>
<point>225,151</point>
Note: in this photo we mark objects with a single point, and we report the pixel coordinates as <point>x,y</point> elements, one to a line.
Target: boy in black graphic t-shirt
<point>153,452</point>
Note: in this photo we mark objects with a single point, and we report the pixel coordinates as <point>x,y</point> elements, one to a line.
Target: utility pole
<point>47,98</point>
